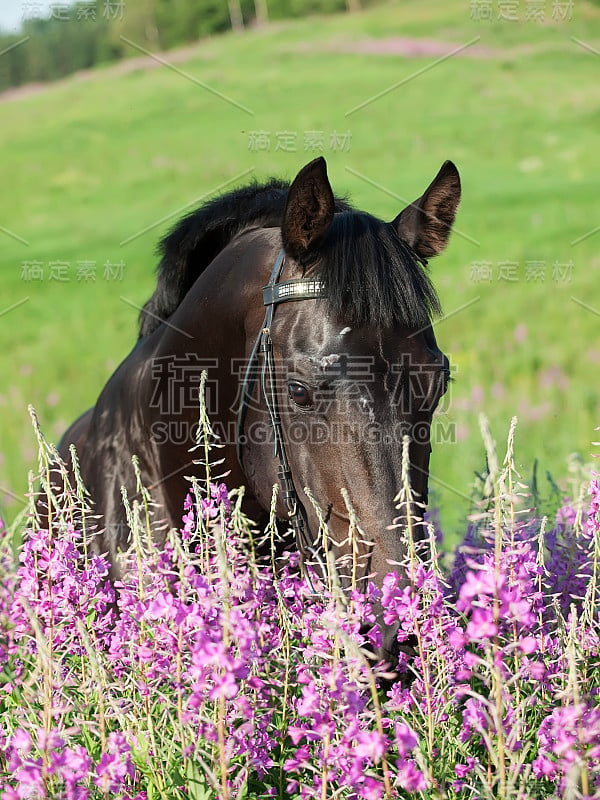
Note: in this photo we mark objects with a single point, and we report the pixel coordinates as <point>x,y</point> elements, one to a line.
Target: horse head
<point>355,370</point>
<point>350,367</point>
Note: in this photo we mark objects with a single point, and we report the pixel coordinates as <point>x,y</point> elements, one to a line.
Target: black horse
<point>346,358</point>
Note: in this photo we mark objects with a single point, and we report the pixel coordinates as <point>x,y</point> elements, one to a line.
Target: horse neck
<point>225,302</point>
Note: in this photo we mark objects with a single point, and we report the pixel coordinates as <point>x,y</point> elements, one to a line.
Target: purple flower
<point>223,685</point>
<point>528,645</point>
<point>202,641</point>
<point>406,738</point>
<point>543,767</point>
<point>411,778</point>
<point>481,626</point>
<point>371,789</point>
<point>474,718</point>
<point>21,741</point>
<point>462,770</point>
<point>370,745</point>
<point>115,766</point>
<point>478,586</point>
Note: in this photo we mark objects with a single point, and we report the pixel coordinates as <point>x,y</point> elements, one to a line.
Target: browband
<point>298,289</point>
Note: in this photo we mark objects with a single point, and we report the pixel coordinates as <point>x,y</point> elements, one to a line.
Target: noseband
<point>273,294</point>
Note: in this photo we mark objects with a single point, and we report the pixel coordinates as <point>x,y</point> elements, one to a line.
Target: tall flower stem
<point>497,683</point>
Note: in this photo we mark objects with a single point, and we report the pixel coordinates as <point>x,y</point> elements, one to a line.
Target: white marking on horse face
<point>327,361</point>
<point>344,331</point>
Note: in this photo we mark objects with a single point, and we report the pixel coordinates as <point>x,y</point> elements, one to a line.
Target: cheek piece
<point>273,294</point>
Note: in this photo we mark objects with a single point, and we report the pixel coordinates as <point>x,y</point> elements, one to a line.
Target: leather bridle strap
<point>250,374</point>
<point>273,294</point>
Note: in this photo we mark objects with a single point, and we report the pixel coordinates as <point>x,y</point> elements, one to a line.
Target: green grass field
<point>115,157</point>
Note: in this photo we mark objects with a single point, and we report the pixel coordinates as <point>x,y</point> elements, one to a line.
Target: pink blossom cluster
<point>202,673</point>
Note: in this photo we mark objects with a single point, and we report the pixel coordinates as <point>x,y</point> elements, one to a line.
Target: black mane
<point>371,275</point>
<point>196,239</point>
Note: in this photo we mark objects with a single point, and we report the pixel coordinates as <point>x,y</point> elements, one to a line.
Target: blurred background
<point>118,116</point>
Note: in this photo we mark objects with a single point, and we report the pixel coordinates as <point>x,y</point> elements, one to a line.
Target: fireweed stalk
<point>215,675</point>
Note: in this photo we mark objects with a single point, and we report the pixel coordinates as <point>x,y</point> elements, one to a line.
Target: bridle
<point>273,294</point>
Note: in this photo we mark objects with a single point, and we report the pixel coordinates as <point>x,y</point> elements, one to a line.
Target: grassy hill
<point>97,167</point>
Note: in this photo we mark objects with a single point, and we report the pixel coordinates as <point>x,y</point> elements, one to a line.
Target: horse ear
<point>309,210</point>
<point>426,224</point>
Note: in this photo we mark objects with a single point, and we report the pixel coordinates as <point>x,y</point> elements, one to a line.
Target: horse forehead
<point>383,347</point>
<point>320,336</point>
<point>339,349</point>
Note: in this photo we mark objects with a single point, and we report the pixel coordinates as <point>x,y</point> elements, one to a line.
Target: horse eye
<point>299,394</point>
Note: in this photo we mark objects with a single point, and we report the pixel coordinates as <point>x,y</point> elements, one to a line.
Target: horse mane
<point>188,249</point>
<point>371,275</point>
